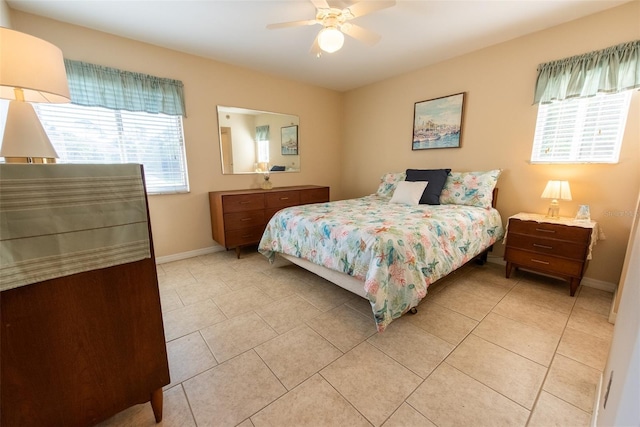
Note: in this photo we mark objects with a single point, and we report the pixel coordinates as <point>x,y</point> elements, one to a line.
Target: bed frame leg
<point>482,258</point>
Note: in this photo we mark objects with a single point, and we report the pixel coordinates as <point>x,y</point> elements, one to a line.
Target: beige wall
<point>498,130</point>
<point>371,127</point>
<point>181,222</point>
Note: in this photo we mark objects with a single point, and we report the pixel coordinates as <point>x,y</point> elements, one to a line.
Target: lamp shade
<point>33,65</point>
<point>557,190</point>
<point>330,39</point>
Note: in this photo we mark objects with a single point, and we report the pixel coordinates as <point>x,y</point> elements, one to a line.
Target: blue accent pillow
<point>436,179</point>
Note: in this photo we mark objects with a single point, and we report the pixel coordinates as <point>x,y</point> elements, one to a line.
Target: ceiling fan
<point>335,23</point>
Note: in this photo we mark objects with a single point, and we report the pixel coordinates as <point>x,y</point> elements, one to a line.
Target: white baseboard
<point>188,254</point>
<point>586,281</point>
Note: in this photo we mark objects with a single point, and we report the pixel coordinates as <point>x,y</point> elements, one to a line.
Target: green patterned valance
<point>610,70</point>
<point>97,86</point>
<point>262,133</point>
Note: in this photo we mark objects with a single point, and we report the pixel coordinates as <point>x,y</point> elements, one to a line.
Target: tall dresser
<point>81,331</point>
<point>238,217</point>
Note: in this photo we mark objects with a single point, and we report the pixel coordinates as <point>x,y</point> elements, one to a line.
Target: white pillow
<point>408,192</point>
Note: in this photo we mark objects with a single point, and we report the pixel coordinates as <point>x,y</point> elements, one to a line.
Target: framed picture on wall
<point>437,123</point>
<point>289,140</point>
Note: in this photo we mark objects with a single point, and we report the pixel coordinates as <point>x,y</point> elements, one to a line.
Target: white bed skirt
<point>343,280</point>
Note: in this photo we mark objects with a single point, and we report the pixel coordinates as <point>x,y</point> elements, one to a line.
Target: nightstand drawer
<point>239,220</point>
<point>553,247</point>
<point>243,202</point>
<point>551,231</point>
<point>546,263</point>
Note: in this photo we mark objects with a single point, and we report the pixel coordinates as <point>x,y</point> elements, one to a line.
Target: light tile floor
<point>254,344</point>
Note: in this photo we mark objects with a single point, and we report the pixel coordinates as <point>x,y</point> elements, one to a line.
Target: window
<point>100,135</point>
<point>263,151</point>
<point>581,130</point>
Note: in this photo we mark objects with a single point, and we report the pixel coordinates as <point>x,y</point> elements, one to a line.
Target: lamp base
<point>554,210</point>
<point>34,160</point>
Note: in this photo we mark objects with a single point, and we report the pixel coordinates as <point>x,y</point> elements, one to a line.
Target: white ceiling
<point>415,33</point>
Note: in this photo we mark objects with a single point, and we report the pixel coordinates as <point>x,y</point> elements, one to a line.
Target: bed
<point>390,252</point>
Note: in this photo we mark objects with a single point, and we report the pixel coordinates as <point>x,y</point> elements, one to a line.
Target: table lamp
<point>31,70</point>
<point>556,190</point>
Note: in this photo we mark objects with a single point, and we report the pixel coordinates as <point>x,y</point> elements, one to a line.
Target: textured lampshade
<point>556,190</point>
<point>330,39</point>
<point>31,70</point>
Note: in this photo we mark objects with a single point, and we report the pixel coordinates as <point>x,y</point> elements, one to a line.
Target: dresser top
<point>272,190</point>
<point>525,216</point>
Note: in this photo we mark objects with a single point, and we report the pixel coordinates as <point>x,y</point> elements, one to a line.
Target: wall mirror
<point>253,141</point>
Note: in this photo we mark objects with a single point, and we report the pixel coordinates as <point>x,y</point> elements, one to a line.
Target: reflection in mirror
<point>253,141</point>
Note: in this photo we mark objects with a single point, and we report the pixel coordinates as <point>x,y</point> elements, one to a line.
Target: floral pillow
<point>470,188</point>
<point>388,183</point>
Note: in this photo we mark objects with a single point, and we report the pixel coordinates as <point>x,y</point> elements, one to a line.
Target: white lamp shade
<point>34,65</point>
<point>24,135</point>
<point>330,39</point>
<point>557,190</point>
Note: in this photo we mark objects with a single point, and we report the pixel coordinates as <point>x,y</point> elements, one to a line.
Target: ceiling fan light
<point>330,39</point>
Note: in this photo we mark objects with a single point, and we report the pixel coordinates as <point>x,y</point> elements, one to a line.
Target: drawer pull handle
<point>245,219</point>
<point>284,198</point>
<point>539,262</point>
<point>545,231</point>
<point>246,236</point>
<point>245,202</point>
<point>542,246</point>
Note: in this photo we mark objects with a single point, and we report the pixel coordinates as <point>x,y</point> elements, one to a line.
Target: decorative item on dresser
<point>238,217</point>
<point>559,247</point>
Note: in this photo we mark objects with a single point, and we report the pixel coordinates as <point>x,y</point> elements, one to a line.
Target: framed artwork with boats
<point>437,123</point>
<point>289,140</point>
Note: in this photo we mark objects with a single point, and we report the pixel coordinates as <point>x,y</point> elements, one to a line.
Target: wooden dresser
<point>78,348</point>
<point>238,217</point>
<point>559,250</point>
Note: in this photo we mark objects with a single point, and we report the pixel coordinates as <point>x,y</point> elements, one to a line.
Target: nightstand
<point>559,247</point>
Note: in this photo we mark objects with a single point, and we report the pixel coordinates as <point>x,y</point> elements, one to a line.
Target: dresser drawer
<point>316,195</point>
<point>553,247</point>
<point>546,263</point>
<point>282,199</point>
<point>239,217</point>
<point>551,231</point>
<point>242,202</point>
<point>239,220</point>
<point>244,236</point>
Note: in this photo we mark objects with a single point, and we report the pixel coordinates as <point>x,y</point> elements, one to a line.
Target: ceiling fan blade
<point>321,4</point>
<point>365,7</point>
<point>315,48</point>
<point>359,33</point>
<point>292,24</point>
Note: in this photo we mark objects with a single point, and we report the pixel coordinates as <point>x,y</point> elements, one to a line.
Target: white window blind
<point>99,135</point>
<point>581,130</point>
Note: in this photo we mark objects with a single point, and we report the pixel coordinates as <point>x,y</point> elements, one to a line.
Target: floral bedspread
<point>397,250</point>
